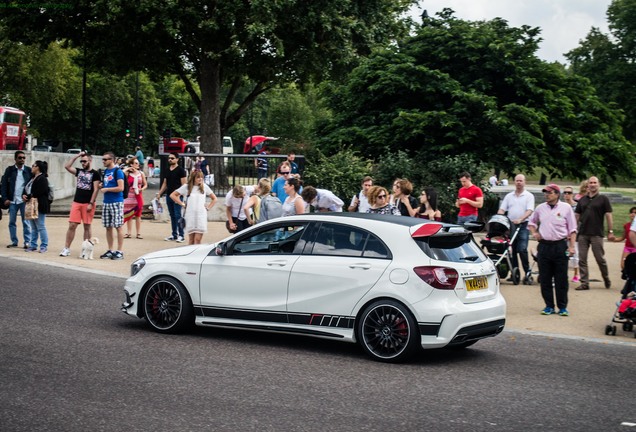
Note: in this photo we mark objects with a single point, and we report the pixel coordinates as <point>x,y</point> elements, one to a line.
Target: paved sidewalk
<point>590,310</point>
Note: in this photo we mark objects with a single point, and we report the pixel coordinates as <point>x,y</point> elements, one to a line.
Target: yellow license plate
<point>478,283</point>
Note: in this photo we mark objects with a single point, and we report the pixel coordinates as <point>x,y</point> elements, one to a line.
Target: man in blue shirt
<point>112,186</point>
<point>284,170</point>
<point>13,181</point>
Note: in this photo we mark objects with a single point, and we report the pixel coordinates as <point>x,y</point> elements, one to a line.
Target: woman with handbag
<point>36,195</point>
<point>196,208</point>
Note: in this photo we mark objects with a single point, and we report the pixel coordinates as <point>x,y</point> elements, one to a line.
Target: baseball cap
<point>552,187</point>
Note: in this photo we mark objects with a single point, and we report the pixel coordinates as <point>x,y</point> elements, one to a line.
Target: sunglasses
<point>106,159</point>
<point>567,193</point>
<point>21,157</point>
<point>84,161</point>
<point>548,192</point>
<point>382,196</point>
<point>285,173</point>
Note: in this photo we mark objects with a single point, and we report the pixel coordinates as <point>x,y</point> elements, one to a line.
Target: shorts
<point>80,213</point>
<point>629,250</point>
<point>113,215</point>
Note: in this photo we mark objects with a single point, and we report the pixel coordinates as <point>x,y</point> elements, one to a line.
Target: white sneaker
<point>180,239</point>
<point>65,252</point>
<point>170,238</point>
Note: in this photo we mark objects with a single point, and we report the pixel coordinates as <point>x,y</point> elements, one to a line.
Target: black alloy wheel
<point>167,306</point>
<point>388,332</point>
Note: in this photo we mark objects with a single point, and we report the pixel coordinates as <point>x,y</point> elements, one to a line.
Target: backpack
<point>271,208</point>
<point>126,185</point>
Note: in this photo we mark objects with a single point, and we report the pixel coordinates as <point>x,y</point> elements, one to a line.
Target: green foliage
<point>340,173</point>
<point>477,88</point>
<point>251,45</point>
<point>609,61</point>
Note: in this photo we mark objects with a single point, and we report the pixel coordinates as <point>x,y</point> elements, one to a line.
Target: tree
<point>609,61</point>
<point>477,88</point>
<point>214,43</point>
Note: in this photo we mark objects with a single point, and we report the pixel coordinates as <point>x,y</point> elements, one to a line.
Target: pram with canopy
<point>499,243</point>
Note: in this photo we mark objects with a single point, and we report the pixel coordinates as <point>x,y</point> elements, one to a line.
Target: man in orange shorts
<point>83,207</point>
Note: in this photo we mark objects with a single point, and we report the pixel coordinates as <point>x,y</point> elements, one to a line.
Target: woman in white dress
<point>294,204</point>
<point>196,209</point>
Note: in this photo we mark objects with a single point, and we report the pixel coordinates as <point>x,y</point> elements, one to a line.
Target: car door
<point>250,281</point>
<point>336,270</point>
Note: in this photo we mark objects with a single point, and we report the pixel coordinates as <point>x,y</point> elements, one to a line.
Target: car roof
<point>391,219</point>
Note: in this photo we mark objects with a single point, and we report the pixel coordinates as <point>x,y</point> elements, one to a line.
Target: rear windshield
<point>453,248</point>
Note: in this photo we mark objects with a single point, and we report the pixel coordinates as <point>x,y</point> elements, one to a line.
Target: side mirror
<point>220,249</point>
<point>474,227</point>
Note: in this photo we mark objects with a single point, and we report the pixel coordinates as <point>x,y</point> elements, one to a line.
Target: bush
<point>340,173</point>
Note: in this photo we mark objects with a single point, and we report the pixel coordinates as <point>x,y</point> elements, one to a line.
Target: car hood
<point>177,251</point>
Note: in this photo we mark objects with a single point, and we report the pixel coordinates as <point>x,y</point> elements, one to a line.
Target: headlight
<point>137,266</point>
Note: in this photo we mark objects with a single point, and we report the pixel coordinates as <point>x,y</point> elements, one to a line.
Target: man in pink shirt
<point>470,199</point>
<point>553,225</point>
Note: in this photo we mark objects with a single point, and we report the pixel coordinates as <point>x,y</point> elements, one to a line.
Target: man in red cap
<point>553,225</point>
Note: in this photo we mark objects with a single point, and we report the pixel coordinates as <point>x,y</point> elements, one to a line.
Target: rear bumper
<point>465,323</point>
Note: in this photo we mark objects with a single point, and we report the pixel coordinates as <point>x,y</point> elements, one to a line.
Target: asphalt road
<point>70,361</point>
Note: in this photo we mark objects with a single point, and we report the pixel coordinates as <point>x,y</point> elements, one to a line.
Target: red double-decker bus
<point>12,128</point>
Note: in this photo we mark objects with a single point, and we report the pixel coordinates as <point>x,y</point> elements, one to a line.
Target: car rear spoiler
<point>429,229</point>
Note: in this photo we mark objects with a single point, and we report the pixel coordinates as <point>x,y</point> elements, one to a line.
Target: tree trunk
<point>210,84</point>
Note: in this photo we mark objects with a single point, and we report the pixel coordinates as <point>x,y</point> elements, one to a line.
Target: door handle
<point>280,263</point>
<point>360,266</point>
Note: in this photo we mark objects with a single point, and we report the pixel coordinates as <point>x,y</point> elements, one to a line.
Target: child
<point>629,247</point>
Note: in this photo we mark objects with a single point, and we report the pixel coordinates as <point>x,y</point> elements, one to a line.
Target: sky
<point>563,23</point>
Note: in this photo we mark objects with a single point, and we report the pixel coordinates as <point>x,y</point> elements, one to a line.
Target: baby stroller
<point>499,240</point>
<point>626,311</point>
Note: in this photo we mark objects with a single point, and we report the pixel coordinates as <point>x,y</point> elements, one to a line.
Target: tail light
<point>444,278</point>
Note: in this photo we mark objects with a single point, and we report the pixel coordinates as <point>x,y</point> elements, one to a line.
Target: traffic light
<point>127,129</point>
<point>141,131</point>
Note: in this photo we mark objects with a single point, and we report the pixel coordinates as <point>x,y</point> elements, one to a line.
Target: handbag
<point>182,223</point>
<point>31,209</point>
<point>227,227</point>
<point>227,222</point>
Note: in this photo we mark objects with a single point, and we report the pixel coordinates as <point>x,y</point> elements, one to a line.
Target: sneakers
<point>12,245</point>
<point>118,255</point>
<point>564,312</point>
<point>170,238</point>
<point>107,255</point>
<point>575,279</point>
<point>31,249</point>
<point>582,288</point>
<point>608,283</point>
<point>548,311</point>
<point>43,249</point>
<point>180,239</point>
<point>65,252</point>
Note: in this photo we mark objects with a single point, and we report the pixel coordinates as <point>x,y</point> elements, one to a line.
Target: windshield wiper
<point>470,258</point>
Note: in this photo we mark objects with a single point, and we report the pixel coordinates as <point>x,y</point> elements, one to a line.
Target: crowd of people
<point>566,226</point>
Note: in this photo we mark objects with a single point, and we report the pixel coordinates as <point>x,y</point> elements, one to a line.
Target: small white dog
<point>87,248</point>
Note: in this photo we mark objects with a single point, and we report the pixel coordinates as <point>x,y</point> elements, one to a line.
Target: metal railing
<point>232,169</point>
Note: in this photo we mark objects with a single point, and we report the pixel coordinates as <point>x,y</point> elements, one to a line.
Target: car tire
<point>167,306</point>
<point>388,332</point>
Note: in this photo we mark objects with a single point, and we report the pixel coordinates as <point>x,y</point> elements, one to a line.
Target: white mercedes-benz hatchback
<point>390,283</point>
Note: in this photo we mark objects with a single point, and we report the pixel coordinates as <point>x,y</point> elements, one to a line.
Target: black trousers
<point>553,266</point>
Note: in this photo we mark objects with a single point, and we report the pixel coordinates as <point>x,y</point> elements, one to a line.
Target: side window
<point>375,248</point>
<point>339,240</point>
<point>279,240</point>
